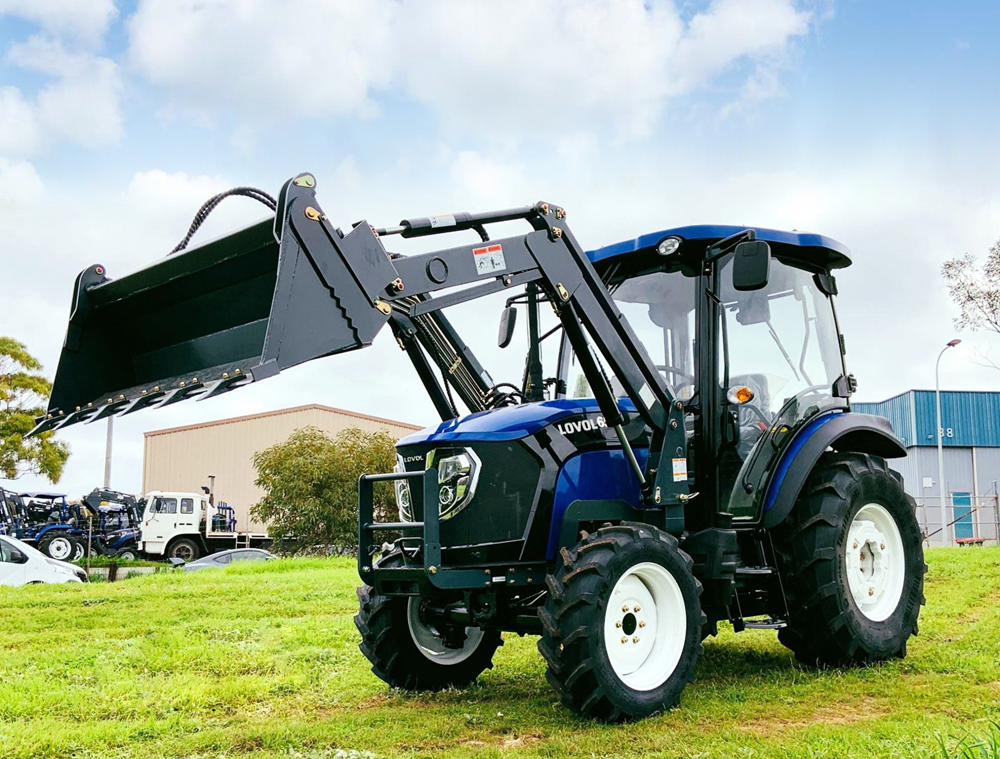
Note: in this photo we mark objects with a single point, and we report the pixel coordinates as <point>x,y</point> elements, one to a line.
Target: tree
<point>23,396</point>
<point>975,289</point>
<point>310,484</point>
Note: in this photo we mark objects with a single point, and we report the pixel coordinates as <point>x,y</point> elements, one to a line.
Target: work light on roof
<point>668,245</point>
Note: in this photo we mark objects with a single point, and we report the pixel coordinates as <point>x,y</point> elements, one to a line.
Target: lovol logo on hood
<point>582,425</point>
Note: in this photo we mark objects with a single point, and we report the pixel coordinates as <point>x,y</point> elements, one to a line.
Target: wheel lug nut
<point>618,623</point>
<point>642,623</point>
<point>624,607</point>
<point>624,639</point>
<point>855,544</point>
<point>636,608</point>
<point>871,591</point>
<point>881,546</point>
<point>635,638</point>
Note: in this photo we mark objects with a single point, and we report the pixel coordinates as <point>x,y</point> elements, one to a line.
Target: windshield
<point>660,307</point>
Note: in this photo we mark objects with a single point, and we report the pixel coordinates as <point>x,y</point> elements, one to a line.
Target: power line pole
<point>107,453</point>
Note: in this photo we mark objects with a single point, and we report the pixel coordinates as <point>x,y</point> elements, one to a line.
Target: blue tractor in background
<point>683,454</point>
<point>46,521</point>
<point>115,522</point>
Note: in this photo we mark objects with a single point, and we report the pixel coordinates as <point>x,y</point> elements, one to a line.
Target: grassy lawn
<point>263,661</point>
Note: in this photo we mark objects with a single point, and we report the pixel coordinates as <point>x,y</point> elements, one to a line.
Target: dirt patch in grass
<point>840,713</point>
<point>504,741</point>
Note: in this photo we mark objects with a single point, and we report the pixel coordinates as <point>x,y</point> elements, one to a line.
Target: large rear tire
<point>622,626</point>
<point>852,563</point>
<point>408,652</point>
<point>61,547</point>
<point>184,548</point>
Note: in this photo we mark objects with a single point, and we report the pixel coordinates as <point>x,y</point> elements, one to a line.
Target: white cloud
<point>19,183</point>
<point>81,104</point>
<point>19,131</point>
<point>270,60</point>
<point>499,68</point>
<point>85,20</point>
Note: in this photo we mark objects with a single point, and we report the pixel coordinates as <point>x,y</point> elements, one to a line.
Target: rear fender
<point>843,432</point>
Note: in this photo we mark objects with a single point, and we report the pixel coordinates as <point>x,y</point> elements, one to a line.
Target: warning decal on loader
<point>489,259</point>
<point>680,470</point>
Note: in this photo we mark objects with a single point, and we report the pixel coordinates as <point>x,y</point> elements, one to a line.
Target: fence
<point>968,518</point>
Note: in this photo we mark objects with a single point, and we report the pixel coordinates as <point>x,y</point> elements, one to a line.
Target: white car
<point>20,564</point>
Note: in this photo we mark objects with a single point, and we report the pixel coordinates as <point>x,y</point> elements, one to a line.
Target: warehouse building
<point>970,423</point>
<point>184,458</point>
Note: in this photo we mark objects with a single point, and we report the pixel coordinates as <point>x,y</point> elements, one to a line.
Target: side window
<point>187,505</point>
<point>6,551</point>
<point>167,505</point>
<point>224,558</point>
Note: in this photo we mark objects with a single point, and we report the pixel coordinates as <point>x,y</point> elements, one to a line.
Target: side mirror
<point>16,557</point>
<point>751,266</point>
<point>176,562</point>
<point>507,321</point>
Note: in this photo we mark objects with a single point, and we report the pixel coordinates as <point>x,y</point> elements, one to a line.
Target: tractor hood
<point>509,423</point>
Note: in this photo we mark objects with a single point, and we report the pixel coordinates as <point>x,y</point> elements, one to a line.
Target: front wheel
<point>410,651</point>
<point>852,560</point>
<point>621,628</point>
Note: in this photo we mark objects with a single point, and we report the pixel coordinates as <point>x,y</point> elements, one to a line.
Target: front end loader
<point>691,459</point>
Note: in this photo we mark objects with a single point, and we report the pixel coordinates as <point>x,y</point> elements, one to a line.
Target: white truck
<point>189,525</point>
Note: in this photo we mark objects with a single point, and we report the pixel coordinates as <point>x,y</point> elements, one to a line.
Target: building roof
<point>279,412</point>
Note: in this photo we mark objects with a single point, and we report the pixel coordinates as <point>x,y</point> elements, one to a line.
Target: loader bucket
<point>219,316</point>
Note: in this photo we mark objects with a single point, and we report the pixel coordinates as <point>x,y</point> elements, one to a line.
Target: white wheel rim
<point>876,564</point>
<point>430,643</point>
<point>645,626</point>
<point>60,549</point>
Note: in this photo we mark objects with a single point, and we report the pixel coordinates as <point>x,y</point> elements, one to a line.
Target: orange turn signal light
<point>738,395</point>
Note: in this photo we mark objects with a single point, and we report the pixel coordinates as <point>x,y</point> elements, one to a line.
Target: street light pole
<point>945,528</point>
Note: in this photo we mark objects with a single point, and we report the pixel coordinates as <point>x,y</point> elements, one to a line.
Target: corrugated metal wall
<point>969,418</point>
<point>183,458</point>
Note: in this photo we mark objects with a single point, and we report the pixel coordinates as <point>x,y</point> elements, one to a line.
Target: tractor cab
<point>47,508</point>
<point>746,340</point>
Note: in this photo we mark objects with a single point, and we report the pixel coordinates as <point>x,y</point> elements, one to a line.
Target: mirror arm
<point>719,249</point>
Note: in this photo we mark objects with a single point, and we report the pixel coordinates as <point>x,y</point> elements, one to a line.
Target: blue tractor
<point>115,522</point>
<point>50,523</point>
<point>685,455</point>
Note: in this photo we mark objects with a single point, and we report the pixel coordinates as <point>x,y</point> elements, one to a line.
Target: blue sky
<point>872,122</point>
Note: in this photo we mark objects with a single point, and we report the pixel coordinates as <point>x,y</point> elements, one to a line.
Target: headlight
<point>458,473</point>
<point>403,493</point>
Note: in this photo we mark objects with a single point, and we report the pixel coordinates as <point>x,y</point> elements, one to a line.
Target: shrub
<point>310,484</point>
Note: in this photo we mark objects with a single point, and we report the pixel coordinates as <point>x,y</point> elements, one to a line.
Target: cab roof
<point>804,245</point>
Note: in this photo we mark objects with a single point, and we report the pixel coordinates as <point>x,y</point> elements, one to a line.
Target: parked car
<point>20,564</point>
<point>222,558</point>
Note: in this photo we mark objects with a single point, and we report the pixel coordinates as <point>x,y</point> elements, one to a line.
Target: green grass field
<point>263,661</point>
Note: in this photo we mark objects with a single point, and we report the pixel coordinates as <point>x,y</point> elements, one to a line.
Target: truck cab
<point>188,525</point>
<point>172,516</point>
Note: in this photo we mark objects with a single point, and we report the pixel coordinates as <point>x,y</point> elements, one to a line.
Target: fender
<point>69,529</point>
<point>842,431</point>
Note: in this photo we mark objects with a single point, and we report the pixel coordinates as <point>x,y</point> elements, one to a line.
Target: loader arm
<point>246,306</point>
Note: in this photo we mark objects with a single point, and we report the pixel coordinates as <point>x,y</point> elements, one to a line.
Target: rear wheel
<point>852,562</point>
<point>622,627</point>
<point>61,547</point>
<point>408,650</point>
<point>184,548</point>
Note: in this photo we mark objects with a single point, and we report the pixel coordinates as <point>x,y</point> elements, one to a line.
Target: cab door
<point>779,356</point>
